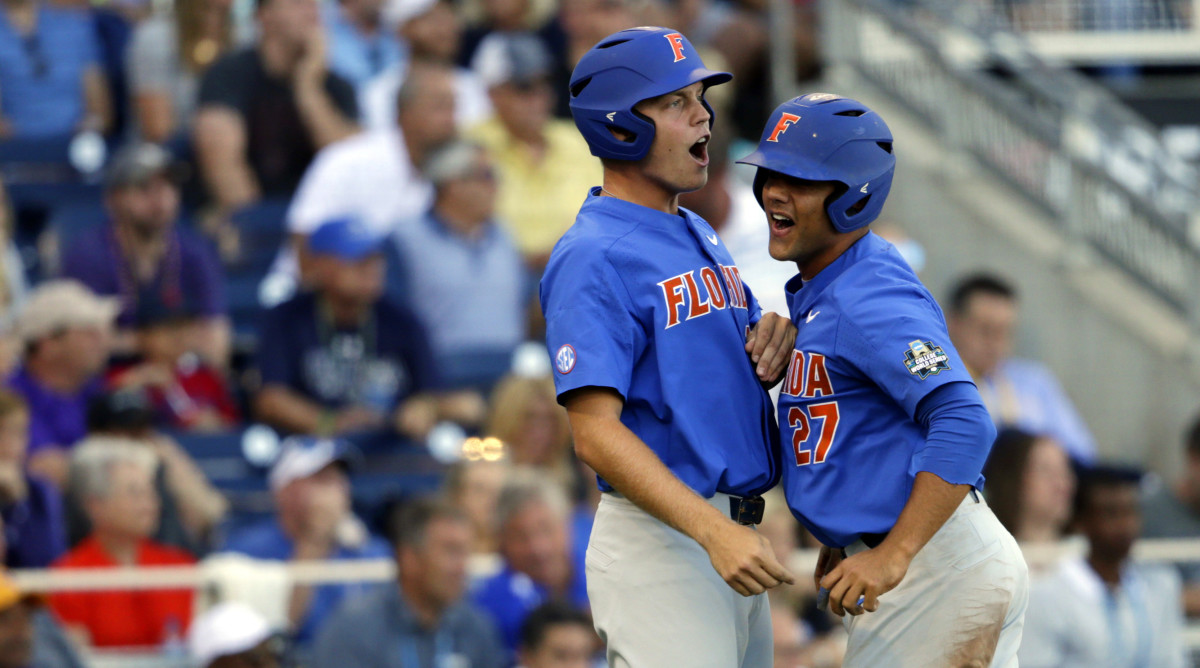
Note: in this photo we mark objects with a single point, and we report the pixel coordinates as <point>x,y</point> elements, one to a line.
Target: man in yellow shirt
<point>544,166</point>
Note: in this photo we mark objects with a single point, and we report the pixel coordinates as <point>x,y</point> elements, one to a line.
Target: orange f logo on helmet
<point>676,41</point>
<point>785,122</point>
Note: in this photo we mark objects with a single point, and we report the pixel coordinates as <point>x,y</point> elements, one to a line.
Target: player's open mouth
<point>780,224</point>
<point>699,151</point>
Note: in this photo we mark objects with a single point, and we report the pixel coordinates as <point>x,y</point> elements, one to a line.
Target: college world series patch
<point>924,359</point>
<point>564,359</point>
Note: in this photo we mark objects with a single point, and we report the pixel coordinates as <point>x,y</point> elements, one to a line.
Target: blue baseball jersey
<point>872,344</point>
<point>651,305</point>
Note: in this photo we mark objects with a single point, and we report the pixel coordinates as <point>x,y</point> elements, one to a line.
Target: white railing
<point>1110,31</point>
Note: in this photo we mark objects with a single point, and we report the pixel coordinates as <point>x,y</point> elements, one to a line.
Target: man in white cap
<point>67,334</point>
<point>232,635</point>
<point>313,522</point>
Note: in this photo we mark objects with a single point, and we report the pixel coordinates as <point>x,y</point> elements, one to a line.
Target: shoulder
<point>368,148</point>
<point>159,554</point>
<point>193,247</point>
<point>157,34</point>
<point>237,65</point>
<point>393,315</point>
<point>264,540</point>
<point>876,291</point>
<point>1160,579</point>
<point>300,306</point>
<point>82,249</point>
<point>86,553</point>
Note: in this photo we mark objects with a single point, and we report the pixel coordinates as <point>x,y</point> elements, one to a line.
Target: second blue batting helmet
<point>824,137</point>
<point>623,69</point>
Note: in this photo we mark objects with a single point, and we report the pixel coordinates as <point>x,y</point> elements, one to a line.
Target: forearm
<point>284,408</point>
<point>200,504</point>
<point>930,504</point>
<point>214,342</point>
<point>630,466</point>
<point>221,141</point>
<point>324,120</point>
<point>97,101</point>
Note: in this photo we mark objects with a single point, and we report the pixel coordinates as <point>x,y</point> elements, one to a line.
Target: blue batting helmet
<point>823,137</point>
<point>623,69</point>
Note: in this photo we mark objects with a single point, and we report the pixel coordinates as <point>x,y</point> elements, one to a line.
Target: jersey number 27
<point>801,420</point>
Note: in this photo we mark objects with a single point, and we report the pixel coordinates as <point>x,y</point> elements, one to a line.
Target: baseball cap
<point>224,629</point>
<point>121,410</point>
<point>511,57</point>
<point>346,239</point>
<point>137,162</point>
<point>11,594</point>
<point>302,456</point>
<point>398,12</point>
<point>62,304</point>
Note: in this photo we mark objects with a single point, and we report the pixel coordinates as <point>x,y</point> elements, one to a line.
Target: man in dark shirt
<point>264,112</point>
<point>143,256</point>
<point>342,359</point>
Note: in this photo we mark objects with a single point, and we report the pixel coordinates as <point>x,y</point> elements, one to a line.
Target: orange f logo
<point>676,41</point>
<point>785,121</point>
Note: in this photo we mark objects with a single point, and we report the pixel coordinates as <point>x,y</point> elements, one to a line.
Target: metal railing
<point>1109,31</point>
<point>1097,170</point>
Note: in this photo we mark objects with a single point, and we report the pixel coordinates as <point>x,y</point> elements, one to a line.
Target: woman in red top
<point>114,479</point>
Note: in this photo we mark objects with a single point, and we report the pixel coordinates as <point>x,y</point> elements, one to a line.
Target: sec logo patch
<point>564,359</point>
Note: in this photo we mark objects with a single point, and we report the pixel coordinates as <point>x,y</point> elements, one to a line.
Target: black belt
<point>872,540</point>
<point>746,510</point>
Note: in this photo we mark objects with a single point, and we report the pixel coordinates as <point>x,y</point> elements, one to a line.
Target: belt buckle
<point>746,510</point>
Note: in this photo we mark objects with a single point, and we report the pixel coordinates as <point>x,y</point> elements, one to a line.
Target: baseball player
<point>661,355</point>
<point>884,432</point>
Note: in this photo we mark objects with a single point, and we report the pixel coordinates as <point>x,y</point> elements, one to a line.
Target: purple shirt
<point>189,273</point>
<point>54,419</point>
<point>35,527</point>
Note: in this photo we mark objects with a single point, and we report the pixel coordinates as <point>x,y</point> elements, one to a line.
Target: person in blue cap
<point>662,358</point>
<point>343,359</point>
<point>886,433</point>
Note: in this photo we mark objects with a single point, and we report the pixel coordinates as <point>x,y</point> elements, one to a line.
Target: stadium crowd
<point>328,218</point>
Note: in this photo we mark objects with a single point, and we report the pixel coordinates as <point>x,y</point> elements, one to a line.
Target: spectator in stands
<point>735,215</point>
<point>67,334</point>
<point>374,177</point>
<point>473,486</point>
<point>144,255</point>
<point>266,110</point>
<point>458,254</point>
<point>185,392</point>
<point>167,56</point>
<point>1030,486</point>
<point>189,506</point>
<point>543,163</point>
<point>556,635</point>
<point>433,33</point>
<point>29,636</point>
<point>1173,511</point>
<point>344,359</point>
<point>114,478</point>
<point>313,521</point>
<point>525,415</point>
<point>423,621</point>
<point>232,635</point>
<point>51,80</point>
<point>585,23</point>
<point>360,45</point>
<point>982,317</point>
<point>539,565</point>
<point>1105,609</point>
<point>35,532</point>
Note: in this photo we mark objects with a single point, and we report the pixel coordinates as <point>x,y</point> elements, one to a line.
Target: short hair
<point>414,81</point>
<point>451,160</point>
<point>93,459</point>
<point>1092,480</point>
<point>523,486</point>
<point>1005,473</point>
<point>409,523</point>
<point>11,403</point>
<point>979,284</point>
<point>552,613</point>
<point>1193,437</point>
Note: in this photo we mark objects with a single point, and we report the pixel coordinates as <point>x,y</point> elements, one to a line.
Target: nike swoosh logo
<point>810,316</point>
<point>713,239</point>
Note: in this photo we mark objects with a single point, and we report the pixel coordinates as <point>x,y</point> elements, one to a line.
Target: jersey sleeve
<point>753,306</point>
<point>592,332</point>
<point>897,338</point>
<point>318,197</point>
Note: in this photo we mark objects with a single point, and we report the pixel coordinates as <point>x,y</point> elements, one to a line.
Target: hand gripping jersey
<point>872,344</point>
<point>651,305</point>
